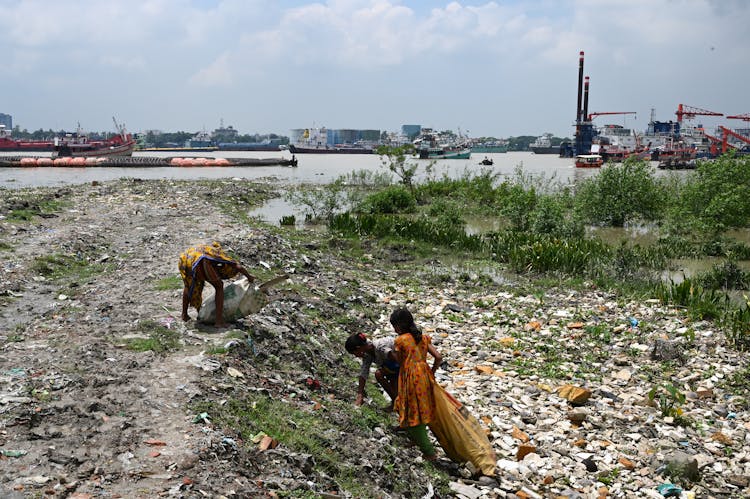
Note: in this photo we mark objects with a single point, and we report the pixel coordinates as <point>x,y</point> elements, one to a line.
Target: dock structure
<point>140,162</point>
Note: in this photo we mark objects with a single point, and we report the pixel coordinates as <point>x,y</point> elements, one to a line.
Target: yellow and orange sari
<point>191,258</point>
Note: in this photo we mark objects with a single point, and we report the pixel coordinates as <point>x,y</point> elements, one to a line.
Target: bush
<point>395,199</point>
<point>620,193</point>
<point>716,196</point>
<point>550,217</point>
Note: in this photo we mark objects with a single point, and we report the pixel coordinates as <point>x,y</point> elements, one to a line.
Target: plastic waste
<point>201,418</point>
<point>669,490</point>
<point>240,299</point>
<point>12,453</point>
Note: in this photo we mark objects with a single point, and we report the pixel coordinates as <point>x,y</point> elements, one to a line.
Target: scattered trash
<point>152,441</point>
<point>669,490</point>
<point>234,373</point>
<point>167,322</point>
<point>312,383</point>
<point>268,443</point>
<point>12,453</point>
<point>633,322</point>
<point>201,418</point>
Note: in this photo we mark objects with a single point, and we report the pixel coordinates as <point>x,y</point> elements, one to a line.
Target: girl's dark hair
<point>355,341</point>
<point>402,319</point>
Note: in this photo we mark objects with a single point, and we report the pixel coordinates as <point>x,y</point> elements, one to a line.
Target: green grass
<point>61,266</point>
<point>33,206</point>
<point>309,432</point>
<point>160,338</point>
<point>169,283</point>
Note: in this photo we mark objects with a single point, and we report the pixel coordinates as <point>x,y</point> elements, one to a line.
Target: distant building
<point>7,120</point>
<point>331,137</point>
<point>411,131</point>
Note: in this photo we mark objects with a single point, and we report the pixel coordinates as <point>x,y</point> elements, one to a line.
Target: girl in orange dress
<point>415,402</point>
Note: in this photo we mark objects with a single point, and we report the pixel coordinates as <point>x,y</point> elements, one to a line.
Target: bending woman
<point>207,263</point>
<point>415,402</point>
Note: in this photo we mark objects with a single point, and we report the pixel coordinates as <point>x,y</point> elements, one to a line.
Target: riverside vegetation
<point>106,394</point>
<point>544,225</point>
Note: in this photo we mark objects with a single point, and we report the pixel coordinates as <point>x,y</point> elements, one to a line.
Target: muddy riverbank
<point>106,393</point>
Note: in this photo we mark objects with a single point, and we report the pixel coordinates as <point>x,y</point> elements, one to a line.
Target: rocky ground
<point>560,378</point>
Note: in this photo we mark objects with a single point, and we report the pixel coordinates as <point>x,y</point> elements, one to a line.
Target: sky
<point>485,68</point>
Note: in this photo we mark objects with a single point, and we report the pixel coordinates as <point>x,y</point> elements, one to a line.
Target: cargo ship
<point>320,141</point>
<point>72,145</point>
<point>543,145</point>
<point>9,144</point>
<point>489,147</point>
<point>335,149</point>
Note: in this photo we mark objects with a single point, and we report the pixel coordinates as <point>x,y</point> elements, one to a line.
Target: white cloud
<point>500,67</point>
<point>218,74</point>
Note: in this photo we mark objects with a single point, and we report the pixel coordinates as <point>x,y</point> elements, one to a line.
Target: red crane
<point>593,115</point>
<point>743,117</point>
<point>689,112</point>
<point>726,133</point>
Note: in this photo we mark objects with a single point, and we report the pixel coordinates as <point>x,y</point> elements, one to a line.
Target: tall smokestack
<point>586,100</point>
<point>580,88</point>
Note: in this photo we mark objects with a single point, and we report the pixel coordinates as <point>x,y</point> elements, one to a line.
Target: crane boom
<point>690,112</point>
<point>593,115</point>
<point>743,117</point>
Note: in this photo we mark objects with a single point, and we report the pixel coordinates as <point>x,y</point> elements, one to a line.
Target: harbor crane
<point>688,112</point>
<point>726,133</point>
<point>743,117</point>
<point>594,115</point>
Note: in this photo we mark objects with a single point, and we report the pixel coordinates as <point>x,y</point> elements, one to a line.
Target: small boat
<point>486,162</point>
<point>589,161</point>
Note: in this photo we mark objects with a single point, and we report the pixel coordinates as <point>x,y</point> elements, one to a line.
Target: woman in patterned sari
<point>207,263</point>
<point>415,402</point>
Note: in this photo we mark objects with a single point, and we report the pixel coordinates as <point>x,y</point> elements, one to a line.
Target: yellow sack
<point>460,434</point>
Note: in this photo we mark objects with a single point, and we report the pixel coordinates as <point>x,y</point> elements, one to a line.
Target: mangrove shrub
<point>717,195</point>
<point>620,193</point>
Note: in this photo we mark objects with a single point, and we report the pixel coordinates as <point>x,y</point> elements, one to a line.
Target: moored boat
<point>589,161</point>
<point>443,153</point>
<point>9,144</point>
<point>430,145</point>
<point>79,145</point>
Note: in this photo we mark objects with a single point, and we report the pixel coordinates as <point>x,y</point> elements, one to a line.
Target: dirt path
<point>93,416</point>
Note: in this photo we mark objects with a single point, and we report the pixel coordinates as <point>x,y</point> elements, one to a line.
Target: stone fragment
<point>705,393</point>
<point>626,463</point>
<point>577,416</point>
<point>574,394</point>
<point>681,465</point>
<point>524,450</point>
<point>519,435</point>
<point>721,438</point>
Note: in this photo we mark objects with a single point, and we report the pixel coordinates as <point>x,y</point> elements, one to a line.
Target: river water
<point>313,168</point>
<point>324,168</point>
